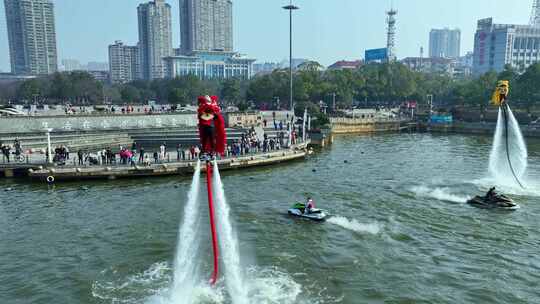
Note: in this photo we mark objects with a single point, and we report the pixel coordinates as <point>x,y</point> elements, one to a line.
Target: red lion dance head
<point>211,126</point>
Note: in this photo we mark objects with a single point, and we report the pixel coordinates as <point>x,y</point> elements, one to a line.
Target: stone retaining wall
<point>31,124</point>
<point>480,128</point>
<point>363,125</point>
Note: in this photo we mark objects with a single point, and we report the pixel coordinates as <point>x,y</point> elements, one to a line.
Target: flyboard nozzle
<point>209,170</point>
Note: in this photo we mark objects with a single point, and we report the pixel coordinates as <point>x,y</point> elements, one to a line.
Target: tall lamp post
<point>291,8</point>
<point>49,150</point>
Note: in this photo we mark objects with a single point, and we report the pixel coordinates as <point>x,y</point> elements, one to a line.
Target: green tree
<point>526,89</point>
<point>130,94</point>
<point>30,89</point>
<point>243,106</point>
<point>230,91</point>
<point>112,94</point>
<point>176,96</point>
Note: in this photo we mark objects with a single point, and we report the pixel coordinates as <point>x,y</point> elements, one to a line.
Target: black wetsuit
<point>491,194</point>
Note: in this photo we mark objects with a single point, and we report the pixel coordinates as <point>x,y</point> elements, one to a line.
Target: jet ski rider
<point>310,205</point>
<point>491,193</point>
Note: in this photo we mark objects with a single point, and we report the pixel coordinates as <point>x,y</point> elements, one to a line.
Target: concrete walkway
<point>171,168</point>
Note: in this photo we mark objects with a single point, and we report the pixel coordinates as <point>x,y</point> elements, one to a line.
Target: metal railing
<point>149,158</point>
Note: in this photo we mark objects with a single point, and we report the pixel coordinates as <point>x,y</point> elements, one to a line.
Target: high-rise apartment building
<point>124,63</point>
<point>32,36</point>
<point>206,25</point>
<point>496,45</point>
<point>155,38</point>
<point>444,43</point>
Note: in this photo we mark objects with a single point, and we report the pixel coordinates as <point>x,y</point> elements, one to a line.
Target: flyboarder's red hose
<point>212,222</point>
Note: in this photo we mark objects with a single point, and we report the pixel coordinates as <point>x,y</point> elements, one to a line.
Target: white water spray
<point>228,242</point>
<point>509,152</point>
<point>186,272</point>
<point>442,194</point>
<point>354,225</point>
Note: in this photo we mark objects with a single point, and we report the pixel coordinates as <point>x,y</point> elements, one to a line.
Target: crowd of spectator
<point>249,143</point>
<point>7,150</point>
<point>126,109</point>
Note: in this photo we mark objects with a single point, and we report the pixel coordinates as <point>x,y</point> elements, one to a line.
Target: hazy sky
<point>325,30</point>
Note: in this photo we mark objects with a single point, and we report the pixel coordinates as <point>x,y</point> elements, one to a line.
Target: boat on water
<point>298,210</point>
<point>498,201</point>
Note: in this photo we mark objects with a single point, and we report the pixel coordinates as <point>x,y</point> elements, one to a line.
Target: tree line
<point>370,84</point>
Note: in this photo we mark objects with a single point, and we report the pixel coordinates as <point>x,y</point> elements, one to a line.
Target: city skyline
<point>260,29</point>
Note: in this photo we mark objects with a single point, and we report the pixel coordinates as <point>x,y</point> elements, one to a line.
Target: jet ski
<point>497,201</point>
<point>315,214</point>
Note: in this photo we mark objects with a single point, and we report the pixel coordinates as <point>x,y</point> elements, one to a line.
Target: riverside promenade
<point>44,173</point>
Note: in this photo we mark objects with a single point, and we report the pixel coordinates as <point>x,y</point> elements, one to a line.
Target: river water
<point>401,231</point>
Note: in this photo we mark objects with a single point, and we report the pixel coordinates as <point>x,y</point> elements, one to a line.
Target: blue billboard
<point>376,55</point>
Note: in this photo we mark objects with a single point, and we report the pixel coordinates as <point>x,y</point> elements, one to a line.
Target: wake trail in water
<point>186,272</point>
<point>441,194</point>
<point>229,245</point>
<point>354,225</point>
<point>508,157</point>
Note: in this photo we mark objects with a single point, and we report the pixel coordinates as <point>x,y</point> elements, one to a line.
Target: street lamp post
<point>291,8</point>
<point>49,148</point>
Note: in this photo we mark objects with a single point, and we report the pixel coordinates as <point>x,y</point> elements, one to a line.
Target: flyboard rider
<point>211,127</point>
<point>500,95</point>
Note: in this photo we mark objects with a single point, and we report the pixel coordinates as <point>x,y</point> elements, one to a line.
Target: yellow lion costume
<point>501,93</point>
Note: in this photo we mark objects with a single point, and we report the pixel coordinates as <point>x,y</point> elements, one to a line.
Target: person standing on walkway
<point>104,156</point>
<point>18,147</point>
<point>197,151</point>
<point>66,152</point>
<point>162,152</point>
<point>141,154</point>
<point>6,150</point>
<point>178,152</point>
<point>79,156</point>
<point>100,160</point>
<point>192,152</point>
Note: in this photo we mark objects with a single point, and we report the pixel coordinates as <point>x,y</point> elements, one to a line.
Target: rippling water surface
<point>400,233</point>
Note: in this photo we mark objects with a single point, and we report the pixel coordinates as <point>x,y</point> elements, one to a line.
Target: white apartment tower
<point>124,63</point>
<point>155,38</point>
<point>206,25</point>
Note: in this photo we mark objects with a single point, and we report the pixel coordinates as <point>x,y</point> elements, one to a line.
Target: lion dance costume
<point>211,126</point>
